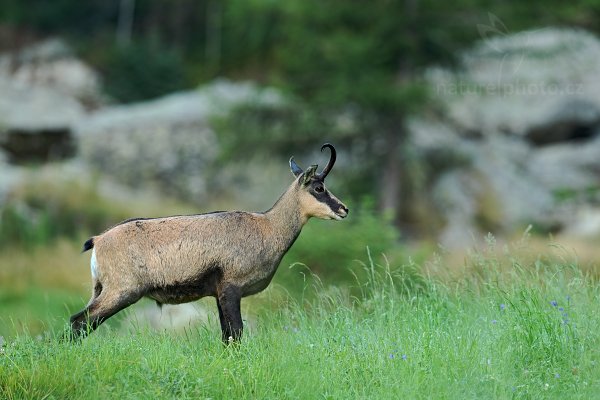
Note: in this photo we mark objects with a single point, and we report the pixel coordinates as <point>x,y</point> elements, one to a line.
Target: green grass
<point>34,310</point>
<point>512,330</point>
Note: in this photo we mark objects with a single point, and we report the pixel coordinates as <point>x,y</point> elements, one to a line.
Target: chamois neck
<point>285,213</point>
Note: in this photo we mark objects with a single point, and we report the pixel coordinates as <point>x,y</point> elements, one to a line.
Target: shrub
<point>345,253</point>
<point>39,212</point>
<point>143,70</point>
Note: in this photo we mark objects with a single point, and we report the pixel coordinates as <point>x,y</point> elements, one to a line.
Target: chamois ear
<point>309,174</point>
<point>296,170</point>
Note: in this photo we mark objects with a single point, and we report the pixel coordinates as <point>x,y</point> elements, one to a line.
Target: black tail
<point>88,245</point>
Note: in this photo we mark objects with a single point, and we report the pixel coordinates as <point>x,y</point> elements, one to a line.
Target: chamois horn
<point>329,165</point>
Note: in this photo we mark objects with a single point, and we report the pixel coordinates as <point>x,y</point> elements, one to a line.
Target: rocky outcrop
<point>36,123</point>
<point>44,91</point>
<point>168,142</point>
<point>51,108</point>
<point>515,139</point>
<point>520,124</point>
<point>52,65</point>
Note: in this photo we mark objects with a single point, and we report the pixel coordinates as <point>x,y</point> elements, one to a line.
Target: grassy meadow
<point>498,329</point>
<point>350,314</point>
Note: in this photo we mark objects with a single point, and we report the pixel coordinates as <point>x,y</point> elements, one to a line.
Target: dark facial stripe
<point>326,198</point>
<point>333,204</point>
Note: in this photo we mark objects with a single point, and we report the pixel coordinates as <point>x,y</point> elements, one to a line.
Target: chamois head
<point>315,199</point>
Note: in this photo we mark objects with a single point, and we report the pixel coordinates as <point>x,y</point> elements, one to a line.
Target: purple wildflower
<point>554,303</point>
<point>391,355</point>
<point>502,306</point>
<point>561,309</point>
<point>557,375</point>
<point>404,356</point>
<point>494,321</point>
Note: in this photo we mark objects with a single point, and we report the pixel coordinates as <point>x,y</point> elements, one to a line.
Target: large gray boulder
<point>520,126</point>
<point>168,142</point>
<point>51,64</point>
<point>10,177</point>
<point>44,92</point>
<point>36,123</point>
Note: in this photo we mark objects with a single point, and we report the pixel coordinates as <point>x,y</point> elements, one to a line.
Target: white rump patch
<point>94,264</point>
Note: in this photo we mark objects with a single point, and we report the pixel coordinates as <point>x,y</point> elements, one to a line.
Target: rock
<point>52,65</point>
<point>570,120</point>
<point>584,221</point>
<point>519,135</point>
<point>166,142</point>
<point>10,177</point>
<point>455,197</point>
<point>44,91</point>
<point>36,123</point>
<point>568,166</point>
<point>516,83</point>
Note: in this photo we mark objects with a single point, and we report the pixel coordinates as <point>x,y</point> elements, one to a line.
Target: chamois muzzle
<point>341,213</point>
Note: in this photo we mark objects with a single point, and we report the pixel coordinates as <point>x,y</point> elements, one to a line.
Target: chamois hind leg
<point>80,315</point>
<point>104,304</point>
<point>230,316</point>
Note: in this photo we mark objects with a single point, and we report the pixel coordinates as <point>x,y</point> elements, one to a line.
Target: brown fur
<point>227,255</point>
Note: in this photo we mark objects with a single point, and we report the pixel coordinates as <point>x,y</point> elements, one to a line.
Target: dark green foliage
<point>24,227</point>
<point>291,128</point>
<point>355,71</point>
<point>39,213</point>
<point>335,252</point>
<point>60,16</point>
<point>328,247</point>
<point>361,64</point>
<point>341,52</point>
<point>143,70</point>
<point>296,128</point>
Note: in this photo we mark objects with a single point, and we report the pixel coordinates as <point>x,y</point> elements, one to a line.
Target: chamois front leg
<point>228,302</point>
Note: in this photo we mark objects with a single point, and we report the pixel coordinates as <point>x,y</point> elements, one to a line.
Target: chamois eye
<point>319,189</point>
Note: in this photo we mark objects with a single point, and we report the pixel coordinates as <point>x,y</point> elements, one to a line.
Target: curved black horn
<point>329,165</point>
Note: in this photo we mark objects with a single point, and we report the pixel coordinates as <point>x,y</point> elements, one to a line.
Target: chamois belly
<point>186,291</point>
<point>174,296</point>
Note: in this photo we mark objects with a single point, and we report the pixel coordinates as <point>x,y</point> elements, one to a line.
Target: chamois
<point>226,255</point>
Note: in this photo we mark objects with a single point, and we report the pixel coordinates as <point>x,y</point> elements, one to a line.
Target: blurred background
<point>451,120</point>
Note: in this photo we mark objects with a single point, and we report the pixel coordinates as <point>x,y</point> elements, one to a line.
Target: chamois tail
<point>88,245</point>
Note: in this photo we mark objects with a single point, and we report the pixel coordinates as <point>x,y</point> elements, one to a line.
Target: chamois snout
<point>342,211</point>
